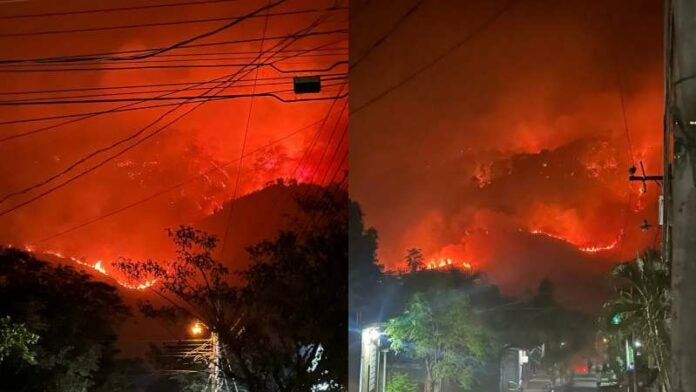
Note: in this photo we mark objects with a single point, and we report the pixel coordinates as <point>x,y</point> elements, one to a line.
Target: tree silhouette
<point>284,328</point>
<point>75,318</point>
<point>414,259</point>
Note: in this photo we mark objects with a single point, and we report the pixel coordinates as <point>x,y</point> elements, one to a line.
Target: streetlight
<point>197,328</point>
<point>373,359</point>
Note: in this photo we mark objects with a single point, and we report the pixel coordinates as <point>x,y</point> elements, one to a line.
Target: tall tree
<point>439,329</point>
<point>414,260</point>
<point>284,327</point>
<point>296,296</point>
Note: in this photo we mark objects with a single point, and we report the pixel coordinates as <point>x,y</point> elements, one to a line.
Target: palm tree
<point>641,306</point>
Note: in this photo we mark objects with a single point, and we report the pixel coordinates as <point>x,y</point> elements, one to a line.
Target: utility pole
<point>214,365</point>
<point>681,125</point>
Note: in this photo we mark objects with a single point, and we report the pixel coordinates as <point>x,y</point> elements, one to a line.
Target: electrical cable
<point>179,66</point>
<point>172,188</point>
<point>87,171</point>
<point>117,9</point>
<point>121,87</point>
<point>126,107</point>
<point>244,140</point>
<point>186,98</point>
<point>458,44</point>
<point>107,56</point>
<point>158,24</point>
<point>389,32</point>
<point>59,99</point>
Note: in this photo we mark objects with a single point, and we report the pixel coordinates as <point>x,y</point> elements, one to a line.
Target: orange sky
<point>201,150</point>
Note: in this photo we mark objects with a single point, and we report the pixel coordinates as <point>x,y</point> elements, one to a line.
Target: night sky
<point>510,152</point>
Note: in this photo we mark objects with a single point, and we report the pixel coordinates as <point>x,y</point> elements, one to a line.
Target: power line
<point>333,157</point>
<point>389,32</point>
<point>205,98</point>
<point>296,172</point>
<point>142,67</point>
<point>51,127</point>
<point>320,185</point>
<point>117,9</point>
<point>87,115</point>
<point>336,149</point>
<point>105,55</point>
<point>326,197</point>
<point>138,142</point>
<point>169,90</point>
<point>620,87</point>
<point>132,86</point>
<point>82,114</point>
<point>487,22</point>
<point>201,58</point>
<point>172,23</point>
<point>173,187</point>
<point>339,50</point>
<point>314,140</point>
<point>104,149</point>
<point>123,108</point>
<point>80,117</point>
<point>244,140</point>
<point>126,93</point>
<point>200,36</point>
<point>333,131</point>
<point>86,171</point>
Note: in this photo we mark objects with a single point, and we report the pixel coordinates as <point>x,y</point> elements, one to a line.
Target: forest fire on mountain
<point>98,267</point>
<point>104,180</point>
<point>521,167</point>
<point>443,263</point>
<point>583,248</point>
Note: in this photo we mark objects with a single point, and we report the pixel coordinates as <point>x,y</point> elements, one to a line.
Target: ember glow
<point>586,248</point>
<point>99,267</point>
<point>447,262</point>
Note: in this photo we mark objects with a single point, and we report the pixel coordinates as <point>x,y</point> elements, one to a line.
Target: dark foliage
<point>75,317</point>
<point>284,328</point>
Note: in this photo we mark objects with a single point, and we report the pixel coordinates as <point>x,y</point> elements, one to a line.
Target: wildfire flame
<point>583,248</point>
<point>446,262</point>
<point>99,267</point>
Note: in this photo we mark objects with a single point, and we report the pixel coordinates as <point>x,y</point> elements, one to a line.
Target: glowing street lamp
<point>197,328</point>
